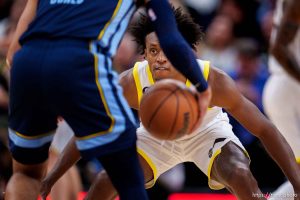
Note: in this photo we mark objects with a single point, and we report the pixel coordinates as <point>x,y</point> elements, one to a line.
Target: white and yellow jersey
<point>143,79</point>
<point>294,46</point>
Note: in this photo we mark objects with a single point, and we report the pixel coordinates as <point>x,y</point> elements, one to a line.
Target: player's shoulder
<point>140,68</point>
<point>127,76</point>
<point>205,67</point>
<point>210,72</point>
<point>141,64</point>
<point>202,62</point>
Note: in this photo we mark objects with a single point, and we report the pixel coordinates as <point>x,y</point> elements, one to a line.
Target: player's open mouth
<point>161,68</point>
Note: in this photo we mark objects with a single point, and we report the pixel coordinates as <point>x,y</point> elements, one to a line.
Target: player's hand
<point>13,48</point>
<point>203,99</point>
<point>8,63</point>
<point>9,58</point>
<point>46,186</point>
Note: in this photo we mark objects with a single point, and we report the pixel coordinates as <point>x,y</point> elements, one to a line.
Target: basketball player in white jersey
<point>213,147</point>
<point>282,92</point>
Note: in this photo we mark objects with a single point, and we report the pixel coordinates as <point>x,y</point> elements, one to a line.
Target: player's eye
<point>153,51</point>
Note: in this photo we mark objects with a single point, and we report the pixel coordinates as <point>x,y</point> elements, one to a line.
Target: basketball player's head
<point>148,43</point>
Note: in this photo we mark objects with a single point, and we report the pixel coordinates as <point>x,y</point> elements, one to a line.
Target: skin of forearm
<point>25,19</point>
<point>282,154</point>
<point>275,144</point>
<point>69,157</point>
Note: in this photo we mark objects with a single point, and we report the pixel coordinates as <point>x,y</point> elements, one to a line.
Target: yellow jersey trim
<point>205,73</point>
<point>247,154</point>
<point>206,69</point>
<point>111,19</point>
<point>298,160</point>
<point>137,81</point>
<point>188,83</point>
<point>218,151</point>
<point>151,164</point>
<point>209,170</point>
<point>33,137</point>
<point>104,103</point>
<point>150,77</point>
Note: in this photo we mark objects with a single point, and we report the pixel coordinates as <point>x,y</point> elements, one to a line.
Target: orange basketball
<point>169,109</point>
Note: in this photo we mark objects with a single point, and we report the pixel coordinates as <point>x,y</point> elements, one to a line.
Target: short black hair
<point>190,30</point>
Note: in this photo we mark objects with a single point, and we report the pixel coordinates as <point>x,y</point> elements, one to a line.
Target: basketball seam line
<point>176,113</point>
<point>189,103</point>
<point>160,105</point>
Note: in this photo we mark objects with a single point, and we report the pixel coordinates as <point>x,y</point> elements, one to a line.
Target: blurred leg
<point>125,173</point>
<point>25,178</point>
<point>68,186</point>
<point>101,187</point>
<point>231,168</point>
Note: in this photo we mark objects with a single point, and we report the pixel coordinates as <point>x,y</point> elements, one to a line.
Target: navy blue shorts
<point>67,78</point>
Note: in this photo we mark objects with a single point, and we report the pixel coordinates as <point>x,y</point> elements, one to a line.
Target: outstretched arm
<point>173,44</point>
<point>177,50</point>
<point>287,30</point>
<point>66,160</point>
<point>25,19</point>
<point>226,95</point>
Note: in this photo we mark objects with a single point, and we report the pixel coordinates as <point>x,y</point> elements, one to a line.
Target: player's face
<point>159,65</point>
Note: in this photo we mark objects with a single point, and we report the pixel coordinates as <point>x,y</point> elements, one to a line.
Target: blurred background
<point>236,40</point>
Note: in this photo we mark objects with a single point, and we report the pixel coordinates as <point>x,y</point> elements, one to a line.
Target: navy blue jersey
<point>79,19</point>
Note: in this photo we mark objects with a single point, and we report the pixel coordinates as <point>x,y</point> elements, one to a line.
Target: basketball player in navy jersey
<point>212,147</point>
<point>64,68</point>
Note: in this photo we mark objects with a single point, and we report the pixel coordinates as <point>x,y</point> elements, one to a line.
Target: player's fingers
<point>203,100</point>
<point>8,63</point>
<point>202,107</point>
<point>44,191</point>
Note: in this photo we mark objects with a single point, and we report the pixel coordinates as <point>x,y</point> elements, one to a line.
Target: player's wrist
<point>206,93</point>
<point>201,86</point>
